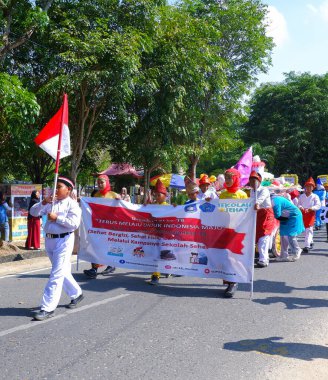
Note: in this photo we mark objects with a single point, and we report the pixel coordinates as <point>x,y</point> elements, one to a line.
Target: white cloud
<point>277,26</point>
<point>312,8</point>
<point>320,10</point>
<point>324,10</point>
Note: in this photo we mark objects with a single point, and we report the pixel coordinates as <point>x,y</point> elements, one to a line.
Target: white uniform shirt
<point>312,201</point>
<point>263,197</point>
<point>68,215</point>
<point>210,193</point>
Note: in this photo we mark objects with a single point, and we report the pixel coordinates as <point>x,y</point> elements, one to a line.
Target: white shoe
<point>298,254</point>
<point>285,259</point>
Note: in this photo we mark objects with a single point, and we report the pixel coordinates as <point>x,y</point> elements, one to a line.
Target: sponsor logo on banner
<point>234,207</point>
<point>207,207</point>
<point>190,208</point>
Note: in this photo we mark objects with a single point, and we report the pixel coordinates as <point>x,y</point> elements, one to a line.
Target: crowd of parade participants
<point>291,211</point>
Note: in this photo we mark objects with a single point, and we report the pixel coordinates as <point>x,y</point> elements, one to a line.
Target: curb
<point>21,255</point>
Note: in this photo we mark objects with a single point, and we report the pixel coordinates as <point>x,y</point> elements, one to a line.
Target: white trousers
<point>308,237</point>
<point>285,242</point>
<point>59,252</point>
<point>263,246</point>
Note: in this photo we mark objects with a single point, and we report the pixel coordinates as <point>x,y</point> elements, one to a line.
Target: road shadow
<point>292,303</point>
<point>16,312</point>
<point>265,286</point>
<point>139,282</point>
<point>273,346</point>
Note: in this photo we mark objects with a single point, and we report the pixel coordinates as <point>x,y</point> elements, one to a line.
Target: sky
<point>300,31</point>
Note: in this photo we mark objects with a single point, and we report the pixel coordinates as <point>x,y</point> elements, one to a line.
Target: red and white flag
<point>55,135</point>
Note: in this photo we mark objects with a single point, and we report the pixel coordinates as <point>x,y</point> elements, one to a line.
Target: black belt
<point>54,236</point>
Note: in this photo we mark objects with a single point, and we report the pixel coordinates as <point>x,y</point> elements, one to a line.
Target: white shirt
<point>263,197</point>
<point>312,201</point>
<point>68,215</point>
<point>210,193</point>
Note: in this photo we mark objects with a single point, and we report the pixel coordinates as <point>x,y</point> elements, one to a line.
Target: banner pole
<point>253,245</point>
<point>59,149</point>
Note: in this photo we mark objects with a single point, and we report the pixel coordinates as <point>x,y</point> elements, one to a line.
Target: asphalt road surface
<point>182,329</point>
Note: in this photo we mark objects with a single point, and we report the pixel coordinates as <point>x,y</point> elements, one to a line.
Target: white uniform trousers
<point>285,242</point>
<point>263,246</point>
<point>308,237</point>
<point>59,251</point>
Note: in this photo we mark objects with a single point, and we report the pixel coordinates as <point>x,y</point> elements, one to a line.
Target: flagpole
<point>254,242</point>
<point>59,149</point>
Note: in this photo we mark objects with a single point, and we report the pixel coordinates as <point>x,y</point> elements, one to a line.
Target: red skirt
<point>308,218</point>
<point>33,233</point>
<point>265,222</point>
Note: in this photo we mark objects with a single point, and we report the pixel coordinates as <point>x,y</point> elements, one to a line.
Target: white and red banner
<point>200,239</point>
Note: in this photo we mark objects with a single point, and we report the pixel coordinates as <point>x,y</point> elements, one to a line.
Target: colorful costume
<point>159,188</point>
<point>291,225</point>
<point>265,221</point>
<point>321,193</point>
<point>309,204</point>
<point>210,192</point>
<point>232,192</point>
<point>104,193</point>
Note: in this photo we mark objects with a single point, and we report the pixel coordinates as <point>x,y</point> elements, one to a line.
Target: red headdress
<point>294,193</point>
<point>236,180</point>
<point>204,180</point>
<point>256,175</point>
<point>310,182</point>
<point>160,188</point>
<point>107,187</point>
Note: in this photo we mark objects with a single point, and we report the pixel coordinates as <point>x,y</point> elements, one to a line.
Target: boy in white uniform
<point>309,203</point>
<point>64,216</point>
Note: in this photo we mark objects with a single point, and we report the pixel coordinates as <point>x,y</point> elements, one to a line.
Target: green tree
<point>19,19</point>
<point>18,107</point>
<point>291,119</point>
<point>237,49</point>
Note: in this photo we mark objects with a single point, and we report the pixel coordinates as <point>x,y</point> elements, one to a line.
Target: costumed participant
<point>321,193</point>
<point>192,190</point>
<point>294,194</point>
<point>309,203</point>
<point>206,192</point>
<point>160,194</point>
<point>291,225</point>
<point>63,218</point>
<point>232,191</point>
<point>326,204</point>
<point>33,224</point>
<point>104,191</point>
<point>265,221</point>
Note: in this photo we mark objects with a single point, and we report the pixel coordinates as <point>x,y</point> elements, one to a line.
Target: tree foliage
<point>290,120</point>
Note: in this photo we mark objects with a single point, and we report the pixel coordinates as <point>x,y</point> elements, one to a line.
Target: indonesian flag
<point>55,135</point>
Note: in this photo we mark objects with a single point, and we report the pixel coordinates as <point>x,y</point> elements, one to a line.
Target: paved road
<point>183,329</point>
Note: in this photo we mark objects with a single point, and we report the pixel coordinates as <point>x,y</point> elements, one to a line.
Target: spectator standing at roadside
<point>124,195</point>
<point>33,224</point>
<point>4,222</point>
<point>104,191</point>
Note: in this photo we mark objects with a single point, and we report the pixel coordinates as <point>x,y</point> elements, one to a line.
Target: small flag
<point>57,126</point>
<point>244,166</point>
